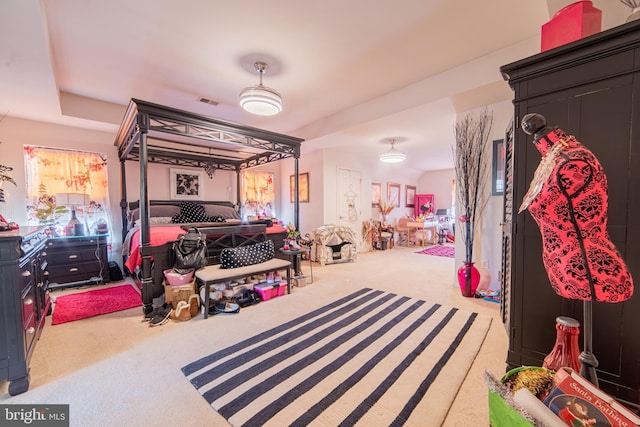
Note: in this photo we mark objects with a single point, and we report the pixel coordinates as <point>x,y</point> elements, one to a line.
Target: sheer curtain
<point>52,172</point>
<point>258,194</point>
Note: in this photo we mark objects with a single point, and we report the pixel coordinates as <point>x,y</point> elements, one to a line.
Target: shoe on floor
<point>194,305</point>
<point>150,315</point>
<point>162,316</point>
<point>224,307</point>
<point>183,311</point>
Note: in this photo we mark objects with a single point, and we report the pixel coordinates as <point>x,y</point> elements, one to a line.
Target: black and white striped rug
<point>371,358</point>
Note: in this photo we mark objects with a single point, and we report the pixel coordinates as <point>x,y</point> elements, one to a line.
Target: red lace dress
<point>568,200</point>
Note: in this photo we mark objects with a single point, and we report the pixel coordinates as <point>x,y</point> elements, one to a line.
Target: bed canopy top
<point>182,138</point>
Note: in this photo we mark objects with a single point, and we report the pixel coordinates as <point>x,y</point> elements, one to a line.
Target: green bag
<point>501,414</point>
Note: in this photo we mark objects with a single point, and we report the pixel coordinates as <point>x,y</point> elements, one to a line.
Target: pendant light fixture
<point>259,99</point>
<point>392,155</point>
<point>209,167</point>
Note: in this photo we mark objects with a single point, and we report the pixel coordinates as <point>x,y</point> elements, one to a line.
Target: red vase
<point>565,352</point>
<point>468,279</point>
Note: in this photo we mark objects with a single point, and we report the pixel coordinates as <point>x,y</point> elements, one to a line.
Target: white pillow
<point>154,220</point>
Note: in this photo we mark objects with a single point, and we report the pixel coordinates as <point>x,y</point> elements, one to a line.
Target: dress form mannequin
<point>569,202</point>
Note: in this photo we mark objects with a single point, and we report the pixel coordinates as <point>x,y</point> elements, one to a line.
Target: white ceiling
<point>352,72</point>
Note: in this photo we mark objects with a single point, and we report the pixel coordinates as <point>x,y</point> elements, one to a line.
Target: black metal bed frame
<point>152,133</point>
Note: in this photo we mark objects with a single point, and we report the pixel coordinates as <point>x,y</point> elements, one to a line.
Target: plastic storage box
<point>268,291</point>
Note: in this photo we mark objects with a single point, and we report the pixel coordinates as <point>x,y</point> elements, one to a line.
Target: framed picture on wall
<point>303,187</point>
<point>186,184</point>
<point>409,196</point>
<point>393,193</point>
<point>424,204</point>
<point>376,189</point>
<point>497,176</point>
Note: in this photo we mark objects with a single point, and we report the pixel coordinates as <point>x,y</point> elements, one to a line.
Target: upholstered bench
<point>227,271</point>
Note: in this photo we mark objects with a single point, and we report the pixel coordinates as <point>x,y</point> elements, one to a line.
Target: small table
<point>425,229</point>
<point>296,260</point>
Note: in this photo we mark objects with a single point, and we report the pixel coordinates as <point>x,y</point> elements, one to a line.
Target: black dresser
<point>591,89</point>
<point>24,302</point>
<point>77,261</point>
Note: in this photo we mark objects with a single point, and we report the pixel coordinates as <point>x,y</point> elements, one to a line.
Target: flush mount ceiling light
<point>259,99</point>
<point>392,155</point>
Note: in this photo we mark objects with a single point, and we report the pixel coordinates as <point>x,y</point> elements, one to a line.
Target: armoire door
<point>507,228</point>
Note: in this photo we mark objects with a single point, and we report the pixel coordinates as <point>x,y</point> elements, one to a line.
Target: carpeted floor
<point>439,250</point>
<point>370,357</point>
<point>114,369</point>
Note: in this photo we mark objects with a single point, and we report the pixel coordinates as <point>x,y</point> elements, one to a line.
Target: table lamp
<point>74,226</point>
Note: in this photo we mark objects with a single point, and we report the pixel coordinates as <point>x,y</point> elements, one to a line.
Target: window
<point>258,194</point>
<point>62,182</point>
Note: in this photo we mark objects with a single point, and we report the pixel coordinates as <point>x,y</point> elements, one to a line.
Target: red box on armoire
<point>571,23</point>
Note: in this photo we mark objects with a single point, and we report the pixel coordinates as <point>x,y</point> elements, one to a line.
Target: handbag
<point>190,251</point>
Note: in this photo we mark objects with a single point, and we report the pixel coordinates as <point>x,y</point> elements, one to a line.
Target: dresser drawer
<point>28,306</point>
<point>30,334</point>
<point>63,273</point>
<point>70,257</point>
<point>75,242</point>
<point>26,276</point>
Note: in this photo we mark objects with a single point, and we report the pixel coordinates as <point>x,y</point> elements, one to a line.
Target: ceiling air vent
<point>208,101</point>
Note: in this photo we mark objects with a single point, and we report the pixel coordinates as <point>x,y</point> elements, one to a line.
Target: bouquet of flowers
<point>386,206</point>
<point>292,233</point>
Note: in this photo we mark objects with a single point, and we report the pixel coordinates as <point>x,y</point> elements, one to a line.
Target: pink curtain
<point>51,172</point>
<point>258,194</point>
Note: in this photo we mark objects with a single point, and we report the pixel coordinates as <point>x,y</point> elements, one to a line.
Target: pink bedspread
<point>159,235</point>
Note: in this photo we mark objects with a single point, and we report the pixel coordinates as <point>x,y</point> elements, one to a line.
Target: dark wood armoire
<point>591,89</point>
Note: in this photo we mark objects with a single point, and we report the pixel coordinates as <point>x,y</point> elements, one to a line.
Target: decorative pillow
<point>226,212</point>
<point>155,220</point>
<point>194,212</point>
<point>247,255</point>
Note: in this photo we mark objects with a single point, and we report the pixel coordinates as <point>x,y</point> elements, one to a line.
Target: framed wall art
<point>409,196</point>
<point>186,184</point>
<point>497,176</point>
<point>424,204</point>
<point>303,187</point>
<point>376,190</point>
<point>393,193</point>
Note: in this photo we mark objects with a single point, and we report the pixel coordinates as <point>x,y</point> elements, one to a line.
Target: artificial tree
<point>471,159</point>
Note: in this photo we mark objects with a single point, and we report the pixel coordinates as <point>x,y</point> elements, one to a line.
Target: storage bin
<point>279,289</point>
<point>269,291</point>
<point>265,291</point>
<point>174,294</point>
<point>176,279</point>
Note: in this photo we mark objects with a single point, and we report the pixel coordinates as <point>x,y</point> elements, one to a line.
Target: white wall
<point>439,184</point>
<point>221,187</point>
<point>340,158</point>
<point>16,133</point>
<point>321,166</point>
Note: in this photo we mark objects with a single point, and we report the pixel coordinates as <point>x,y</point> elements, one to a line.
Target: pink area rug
<point>439,250</point>
<point>94,303</point>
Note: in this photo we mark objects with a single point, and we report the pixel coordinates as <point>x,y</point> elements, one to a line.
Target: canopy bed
<point>152,133</point>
